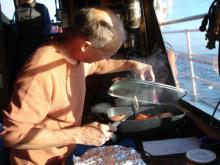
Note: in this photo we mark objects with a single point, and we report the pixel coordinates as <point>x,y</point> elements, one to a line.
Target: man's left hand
<point>144,71</point>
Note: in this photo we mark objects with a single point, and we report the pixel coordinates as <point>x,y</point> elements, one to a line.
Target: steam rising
<point>158,61</point>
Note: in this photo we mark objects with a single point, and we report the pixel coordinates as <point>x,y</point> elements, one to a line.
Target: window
<point>8,8</point>
<point>198,76</point>
<point>51,7</point>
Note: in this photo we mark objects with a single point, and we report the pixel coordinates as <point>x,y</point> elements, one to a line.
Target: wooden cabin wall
<point>3,76</point>
<point>4,95</point>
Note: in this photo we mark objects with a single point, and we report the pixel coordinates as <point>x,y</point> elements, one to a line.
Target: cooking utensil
<point>135,106</point>
<point>116,124</point>
<point>158,97</point>
<point>145,91</point>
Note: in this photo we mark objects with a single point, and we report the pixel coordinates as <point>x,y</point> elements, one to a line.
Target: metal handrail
<point>206,82</point>
<point>190,55</point>
<point>181,31</point>
<point>191,60</point>
<point>200,58</point>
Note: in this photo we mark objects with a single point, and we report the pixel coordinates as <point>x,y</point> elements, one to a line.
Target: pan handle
<point>117,123</point>
<point>114,136</point>
<point>135,106</point>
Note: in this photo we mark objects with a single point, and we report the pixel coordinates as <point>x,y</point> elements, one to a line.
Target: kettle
<point>133,14</point>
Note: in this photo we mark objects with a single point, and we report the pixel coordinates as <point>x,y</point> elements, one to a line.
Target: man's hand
<point>144,71</point>
<point>96,134</point>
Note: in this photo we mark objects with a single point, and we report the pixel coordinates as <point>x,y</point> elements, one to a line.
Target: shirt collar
<point>67,58</point>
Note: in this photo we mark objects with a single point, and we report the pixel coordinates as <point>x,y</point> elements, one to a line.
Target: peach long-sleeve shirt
<point>50,95</point>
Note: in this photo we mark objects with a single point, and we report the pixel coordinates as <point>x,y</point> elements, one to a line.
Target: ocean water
<point>205,91</point>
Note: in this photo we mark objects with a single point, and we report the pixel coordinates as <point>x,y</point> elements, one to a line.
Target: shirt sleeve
<point>90,68</point>
<point>29,105</point>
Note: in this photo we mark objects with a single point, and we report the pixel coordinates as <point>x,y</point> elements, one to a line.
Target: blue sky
<point>185,8</point>
<point>180,9</point>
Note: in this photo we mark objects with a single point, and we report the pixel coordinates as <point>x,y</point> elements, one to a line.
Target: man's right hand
<point>96,134</point>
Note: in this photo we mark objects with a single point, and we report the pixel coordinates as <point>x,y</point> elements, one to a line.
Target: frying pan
<point>130,125</point>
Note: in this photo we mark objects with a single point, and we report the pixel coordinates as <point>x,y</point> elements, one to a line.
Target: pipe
<point>200,16</point>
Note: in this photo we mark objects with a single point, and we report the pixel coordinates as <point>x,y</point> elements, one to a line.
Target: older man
<point>43,121</point>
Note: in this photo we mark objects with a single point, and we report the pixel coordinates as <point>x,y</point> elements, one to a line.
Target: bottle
<point>133,14</point>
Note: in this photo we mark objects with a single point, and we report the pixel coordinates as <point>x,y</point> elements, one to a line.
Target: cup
<point>200,157</point>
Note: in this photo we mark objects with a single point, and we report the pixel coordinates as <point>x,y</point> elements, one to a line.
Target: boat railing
<point>191,58</point>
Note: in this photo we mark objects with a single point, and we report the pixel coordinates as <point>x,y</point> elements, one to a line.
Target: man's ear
<point>85,46</point>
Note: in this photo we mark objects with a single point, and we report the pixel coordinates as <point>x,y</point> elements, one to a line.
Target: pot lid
<point>145,91</point>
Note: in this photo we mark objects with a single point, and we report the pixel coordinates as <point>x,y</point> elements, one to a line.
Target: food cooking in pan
<point>117,117</point>
<point>142,116</point>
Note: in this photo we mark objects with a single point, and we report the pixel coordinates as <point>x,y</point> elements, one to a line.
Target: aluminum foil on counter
<point>109,155</point>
